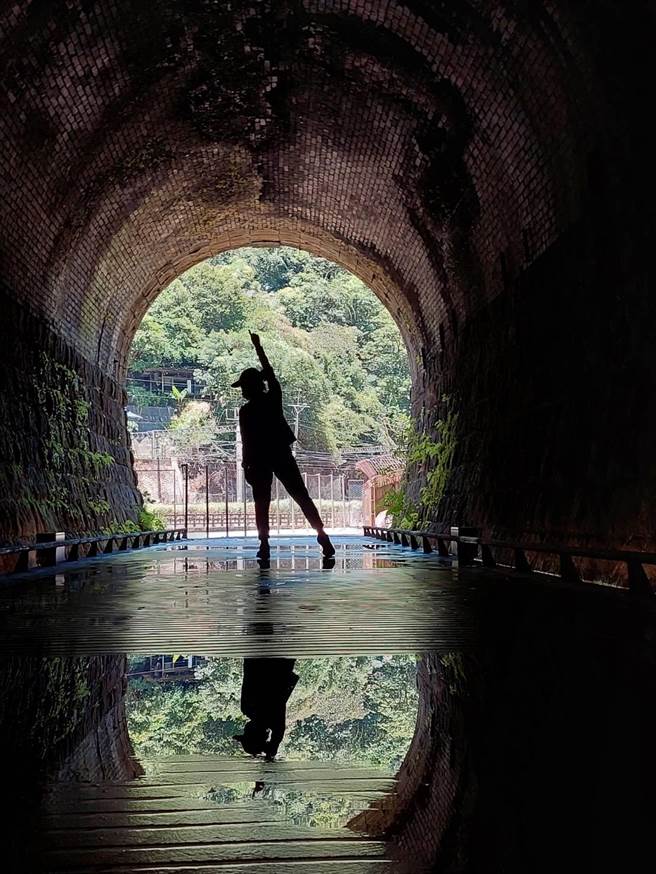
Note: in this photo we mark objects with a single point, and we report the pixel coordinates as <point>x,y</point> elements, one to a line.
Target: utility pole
<point>298,409</point>
<point>239,455</point>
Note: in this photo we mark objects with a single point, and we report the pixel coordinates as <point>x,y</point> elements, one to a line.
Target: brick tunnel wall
<point>533,749</point>
<point>481,166</point>
<point>66,456</point>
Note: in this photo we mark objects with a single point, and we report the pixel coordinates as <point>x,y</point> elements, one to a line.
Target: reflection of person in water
<point>266,440</point>
<point>265,691</point>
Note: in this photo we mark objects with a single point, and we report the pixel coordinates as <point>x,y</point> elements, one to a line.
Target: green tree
<point>194,428</point>
<point>169,335</point>
<point>224,356</point>
<point>333,344</point>
<point>220,294</point>
<point>274,267</point>
<point>314,298</point>
<point>386,361</point>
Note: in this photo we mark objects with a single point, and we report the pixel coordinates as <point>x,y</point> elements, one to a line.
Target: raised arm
<point>267,370</point>
<point>264,361</point>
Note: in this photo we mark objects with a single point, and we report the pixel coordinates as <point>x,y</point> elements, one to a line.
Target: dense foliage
<point>351,709</point>
<point>431,458</point>
<point>333,344</point>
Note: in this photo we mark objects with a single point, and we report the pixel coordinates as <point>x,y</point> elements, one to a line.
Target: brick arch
<point>310,240</point>
<point>142,136</point>
<point>478,161</point>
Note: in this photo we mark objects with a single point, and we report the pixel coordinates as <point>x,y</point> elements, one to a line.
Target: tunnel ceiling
<point>425,146</point>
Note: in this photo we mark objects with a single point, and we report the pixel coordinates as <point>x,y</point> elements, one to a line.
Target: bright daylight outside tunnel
<point>344,367</point>
<point>326,472</point>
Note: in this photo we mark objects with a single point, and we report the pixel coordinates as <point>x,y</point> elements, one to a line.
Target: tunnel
<point>483,167</point>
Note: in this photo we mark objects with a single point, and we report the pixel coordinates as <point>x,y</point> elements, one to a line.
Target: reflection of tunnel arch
<point>455,156</point>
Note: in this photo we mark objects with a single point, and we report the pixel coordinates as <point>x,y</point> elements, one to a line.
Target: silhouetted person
<point>266,441</point>
<point>265,691</point>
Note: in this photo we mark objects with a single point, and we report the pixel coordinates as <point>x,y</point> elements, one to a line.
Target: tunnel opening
<point>341,361</point>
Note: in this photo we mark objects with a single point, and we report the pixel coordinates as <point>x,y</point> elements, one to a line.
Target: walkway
<point>523,671</point>
<point>173,820</point>
<point>212,599</point>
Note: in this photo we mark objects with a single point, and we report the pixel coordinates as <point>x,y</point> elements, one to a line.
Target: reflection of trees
<point>183,717</point>
<point>320,810</point>
<point>354,709</point>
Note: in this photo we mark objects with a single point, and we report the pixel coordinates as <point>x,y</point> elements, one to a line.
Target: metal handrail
<point>71,545</point>
<point>473,549</point>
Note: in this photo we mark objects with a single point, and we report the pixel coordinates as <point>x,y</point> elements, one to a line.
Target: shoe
<point>264,551</point>
<point>325,543</point>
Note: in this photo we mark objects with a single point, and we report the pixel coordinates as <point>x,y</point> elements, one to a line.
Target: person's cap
<point>250,376</point>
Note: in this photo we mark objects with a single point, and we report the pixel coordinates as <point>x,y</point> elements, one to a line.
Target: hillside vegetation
<point>333,344</point>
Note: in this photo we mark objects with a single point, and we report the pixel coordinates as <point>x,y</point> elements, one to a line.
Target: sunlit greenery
<point>434,458</point>
<point>332,342</point>
<point>354,709</point>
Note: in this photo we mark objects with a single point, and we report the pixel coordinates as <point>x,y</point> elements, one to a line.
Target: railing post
<point>521,562</point>
<point>74,552</point>
<point>207,501</point>
<point>568,570</point>
<point>23,560</point>
<point>186,497</point>
<point>442,547</point>
<point>227,505</point>
<point>50,557</point>
<point>638,580</point>
<point>426,544</point>
<point>486,556</point>
<point>466,552</point>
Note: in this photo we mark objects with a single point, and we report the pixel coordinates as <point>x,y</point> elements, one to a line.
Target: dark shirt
<point>265,691</point>
<point>265,433</point>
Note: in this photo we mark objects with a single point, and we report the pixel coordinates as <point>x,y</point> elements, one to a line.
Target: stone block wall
<point>65,461</point>
<point>552,387</point>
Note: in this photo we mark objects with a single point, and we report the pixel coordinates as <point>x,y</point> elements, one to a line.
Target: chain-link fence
<point>215,499</point>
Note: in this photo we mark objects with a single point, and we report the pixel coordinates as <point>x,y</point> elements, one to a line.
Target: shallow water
<point>414,701</point>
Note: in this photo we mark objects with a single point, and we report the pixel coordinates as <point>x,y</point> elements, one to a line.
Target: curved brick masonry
<point>65,718</point>
<point>534,751</point>
<point>483,167</point>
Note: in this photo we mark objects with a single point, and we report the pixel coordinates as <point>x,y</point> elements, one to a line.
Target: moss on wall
<point>65,461</point>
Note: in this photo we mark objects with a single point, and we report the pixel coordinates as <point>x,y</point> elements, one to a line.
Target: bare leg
<point>260,479</point>
<point>289,475</point>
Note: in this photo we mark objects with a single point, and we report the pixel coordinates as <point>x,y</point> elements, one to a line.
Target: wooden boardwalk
<point>166,821</point>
